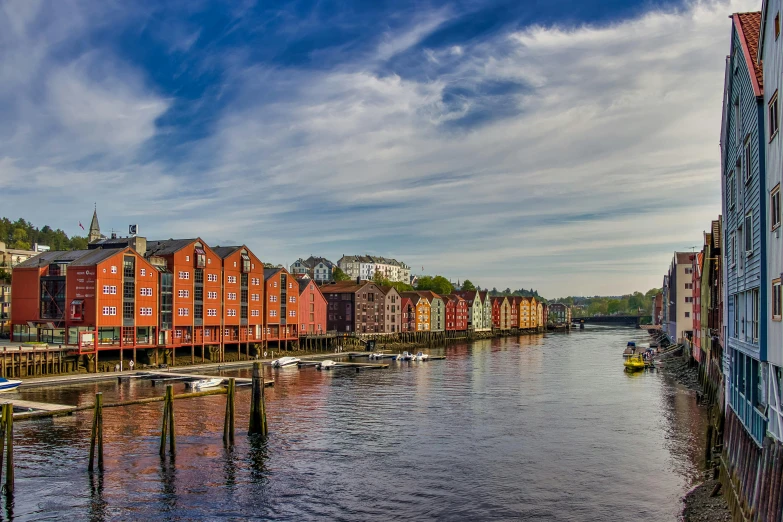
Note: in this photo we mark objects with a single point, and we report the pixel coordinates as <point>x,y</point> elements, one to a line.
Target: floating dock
<point>358,366</point>
<point>162,376</point>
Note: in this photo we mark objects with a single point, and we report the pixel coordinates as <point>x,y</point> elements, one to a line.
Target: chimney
<point>358,280</point>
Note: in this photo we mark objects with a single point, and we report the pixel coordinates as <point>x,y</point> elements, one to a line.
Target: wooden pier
<point>358,366</point>
<point>171,376</point>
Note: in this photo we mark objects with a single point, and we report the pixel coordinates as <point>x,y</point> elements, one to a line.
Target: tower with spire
<point>95,228</point>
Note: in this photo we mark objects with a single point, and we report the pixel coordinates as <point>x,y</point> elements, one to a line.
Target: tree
<point>19,239</point>
<point>467,286</point>
<point>339,275</point>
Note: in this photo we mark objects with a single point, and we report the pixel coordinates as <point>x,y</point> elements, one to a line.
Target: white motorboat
<point>285,361</point>
<point>328,364</point>
<point>421,356</point>
<point>406,356</point>
<point>376,355</point>
<point>8,384</point>
<point>203,384</point>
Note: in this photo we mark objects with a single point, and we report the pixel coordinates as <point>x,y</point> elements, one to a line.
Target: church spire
<point>95,228</point>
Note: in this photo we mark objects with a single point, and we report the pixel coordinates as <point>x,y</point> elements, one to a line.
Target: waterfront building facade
<point>437,310</point>
<point>486,323</point>
<point>501,313</point>
<point>281,306</point>
<point>698,260</point>
<point>743,148</point>
<point>475,309</point>
<point>408,316</point>
<point>771,55</point>
<point>312,308</point>
<point>354,306</point>
<point>238,301</point>
<point>680,293</point>
<point>392,316</point>
<point>422,309</point>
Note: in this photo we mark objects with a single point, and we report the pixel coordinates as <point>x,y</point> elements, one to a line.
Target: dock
<point>39,406</point>
<point>358,366</point>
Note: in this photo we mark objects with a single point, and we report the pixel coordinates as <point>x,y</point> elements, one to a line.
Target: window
<point>292,299</point>
<point>731,190</point>
<point>231,296</point>
<point>688,286</point>
<point>746,160</point>
<point>145,292</point>
<point>109,290</point>
<point>143,272</point>
<point>183,293</point>
<point>776,299</point>
<point>689,299</point>
<point>777,25</point>
<point>290,285</point>
<point>748,233</point>
<point>183,312</point>
<point>733,248</point>
<point>106,310</point>
<point>147,312</point>
<point>292,313</point>
<point>113,269</point>
<point>128,311</point>
<point>254,281</point>
<point>255,297</point>
<point>773,115</point>
<point>187,258</point>
<point>211,312</point>
<point>232,279</point>
<point>212,278</point>
<point>211,295</point>
<point>272,298</point>
<point>184,275</point>
<point>231,312</point>
<point>754,298</point>
<point>272,313</point>
<point>254,313</point>
<point>735,301</point>
<point>774,207</point>
<point>274,284</point>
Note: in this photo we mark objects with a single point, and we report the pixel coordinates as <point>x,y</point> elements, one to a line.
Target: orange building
<point>89,299</point>
<point>422,310</point>
<point>280,306</point>
<point>241,304</point>
<point>312,308</point>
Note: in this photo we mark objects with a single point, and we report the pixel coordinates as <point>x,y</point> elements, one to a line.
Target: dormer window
<point>201,258</point>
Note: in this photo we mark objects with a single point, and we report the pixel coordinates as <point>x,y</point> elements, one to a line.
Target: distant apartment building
<point>365,268</point>
<point>10,257</point>
<point>319,269</point>
<point>680,294</point>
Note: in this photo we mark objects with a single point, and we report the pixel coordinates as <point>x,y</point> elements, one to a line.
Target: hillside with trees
<point>23,234</point>
<point>630,304</point>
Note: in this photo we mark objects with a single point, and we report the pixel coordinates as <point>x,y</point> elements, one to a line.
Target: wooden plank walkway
<point>178,375</point>
<point>358,366</point>
<point>36,406</point>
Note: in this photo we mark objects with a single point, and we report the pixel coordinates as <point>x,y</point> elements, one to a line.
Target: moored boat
<point>8,384</point>
<point>285,361</point>
<point>405,356</point>
<point>328,364</point>
<point>634,363</point>
<point>421,356</point>
<point>203,384</point>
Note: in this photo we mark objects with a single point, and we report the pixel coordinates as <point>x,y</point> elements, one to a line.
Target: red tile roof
<point>748,26</point>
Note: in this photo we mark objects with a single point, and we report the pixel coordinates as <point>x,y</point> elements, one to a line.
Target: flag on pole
<point>80,224</point>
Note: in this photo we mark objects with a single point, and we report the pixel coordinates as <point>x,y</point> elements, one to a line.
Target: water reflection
<point>545,427</point>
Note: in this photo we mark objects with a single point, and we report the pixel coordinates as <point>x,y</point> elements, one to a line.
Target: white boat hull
<point>9,385</point>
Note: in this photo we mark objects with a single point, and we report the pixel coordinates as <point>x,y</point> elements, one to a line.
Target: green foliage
<point>467,286</point>
<point>339,275</point>
<point>631,304</point>
<point>22,234</point>
<point>438,284</point>
<point>398,285</point>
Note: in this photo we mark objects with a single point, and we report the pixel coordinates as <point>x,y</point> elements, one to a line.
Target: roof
<point>429,294</point>
<point>269,272</point>
<point>378,260</point>
<point>498,298</point>
<point>413,296</point>
<point>225,251</point>
<point>684,258</point>
<point>483,295</point>
<point>467,295</point>
<point>387,288</point>
<point>167,247</point>
<point>54,256</point>
<point>311,261</point>
<point>748,28</point>
<point>303,283</point>
<point>344,287</point>
<point>96,256</point>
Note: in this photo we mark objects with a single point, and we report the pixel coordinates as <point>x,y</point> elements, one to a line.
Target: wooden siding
<point>748,272</point>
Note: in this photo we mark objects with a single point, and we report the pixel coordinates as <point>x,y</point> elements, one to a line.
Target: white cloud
<point>590,155</point>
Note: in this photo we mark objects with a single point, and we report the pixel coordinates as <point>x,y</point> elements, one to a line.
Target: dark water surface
<point>534,428</point>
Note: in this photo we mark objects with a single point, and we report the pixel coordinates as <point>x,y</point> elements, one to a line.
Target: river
<point>542,427</point>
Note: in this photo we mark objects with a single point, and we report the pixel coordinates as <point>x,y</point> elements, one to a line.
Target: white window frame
<point>183,274</point>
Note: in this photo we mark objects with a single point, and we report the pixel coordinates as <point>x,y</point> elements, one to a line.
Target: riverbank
<point>699,503</point>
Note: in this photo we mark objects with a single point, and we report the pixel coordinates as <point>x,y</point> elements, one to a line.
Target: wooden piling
<point>96,436</point>
<point>9,461</point>
<point>258,424</point>
<point>228,423</point>
<point>168,423</point>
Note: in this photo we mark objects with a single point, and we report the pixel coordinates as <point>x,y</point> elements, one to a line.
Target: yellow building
<point>423,310</point>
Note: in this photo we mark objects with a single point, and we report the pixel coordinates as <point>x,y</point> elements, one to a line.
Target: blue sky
<point>570,146</point>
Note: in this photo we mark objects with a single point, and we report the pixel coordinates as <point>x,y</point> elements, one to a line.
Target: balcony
<point>752,419</point>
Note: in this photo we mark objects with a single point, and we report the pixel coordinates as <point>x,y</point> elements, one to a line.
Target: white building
<point>319,269</point>
<point>365,267</point>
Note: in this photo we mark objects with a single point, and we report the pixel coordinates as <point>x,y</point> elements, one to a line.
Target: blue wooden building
<point>744,197</point>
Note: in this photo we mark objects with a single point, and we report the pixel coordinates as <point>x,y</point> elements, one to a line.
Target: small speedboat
<point>285,361</point>
<point>406,356</point>
<point>376,355</point>
<point>8,385</point>
<point>328,364</point>
<point>634,363</point>
<point>630,349</point>
<point>203,384</point>
<point>421,356</point>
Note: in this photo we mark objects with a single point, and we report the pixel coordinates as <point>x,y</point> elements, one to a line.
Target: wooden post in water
<point>168,422</point>
<point>257,406</point>
<point>228,424</point>
<point>9,462</point>
<point>96,437</point>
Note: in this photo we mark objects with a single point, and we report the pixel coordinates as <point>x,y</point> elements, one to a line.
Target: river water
<point>544,427</point>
